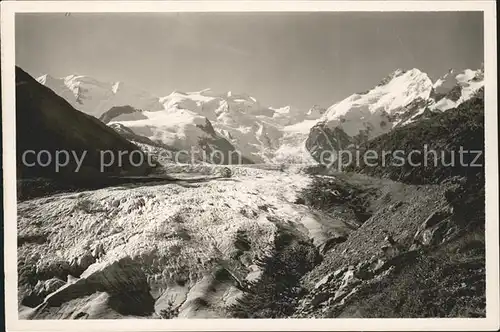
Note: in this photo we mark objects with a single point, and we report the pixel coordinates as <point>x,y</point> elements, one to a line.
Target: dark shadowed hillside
<point>45,121</point>
<point>443,133</point>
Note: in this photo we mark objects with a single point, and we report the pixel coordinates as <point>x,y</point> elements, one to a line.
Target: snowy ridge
<point>255,130</point>
<point>455,88</point>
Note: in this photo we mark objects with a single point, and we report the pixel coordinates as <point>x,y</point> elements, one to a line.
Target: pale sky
<point>297,59</point>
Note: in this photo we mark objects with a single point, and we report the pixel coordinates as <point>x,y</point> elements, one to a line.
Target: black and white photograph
<point>250,166</point>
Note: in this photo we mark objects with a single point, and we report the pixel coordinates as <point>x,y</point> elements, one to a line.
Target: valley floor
<point>261,243</point>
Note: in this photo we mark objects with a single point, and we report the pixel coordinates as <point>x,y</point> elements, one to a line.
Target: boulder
<point>122,279</point>
<point>41,290</point>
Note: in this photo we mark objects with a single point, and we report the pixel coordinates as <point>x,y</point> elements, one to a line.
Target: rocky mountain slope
<point>177,130</point>
<point>293,242</point>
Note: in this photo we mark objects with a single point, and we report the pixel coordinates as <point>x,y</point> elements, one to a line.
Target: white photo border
<point>491,322</point>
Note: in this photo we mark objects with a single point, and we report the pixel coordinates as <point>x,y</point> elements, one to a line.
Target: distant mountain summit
<point>95,97</point>
<point>456,87</point>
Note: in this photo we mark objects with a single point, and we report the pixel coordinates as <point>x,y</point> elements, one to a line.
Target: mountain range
<point>226,121</point>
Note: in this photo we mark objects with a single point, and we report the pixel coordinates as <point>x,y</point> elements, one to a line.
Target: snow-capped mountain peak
<point>370,112</point>
<point>45,78</point>
<point>399,99</point>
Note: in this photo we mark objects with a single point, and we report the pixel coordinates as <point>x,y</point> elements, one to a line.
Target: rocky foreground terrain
<point>263,243</point>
